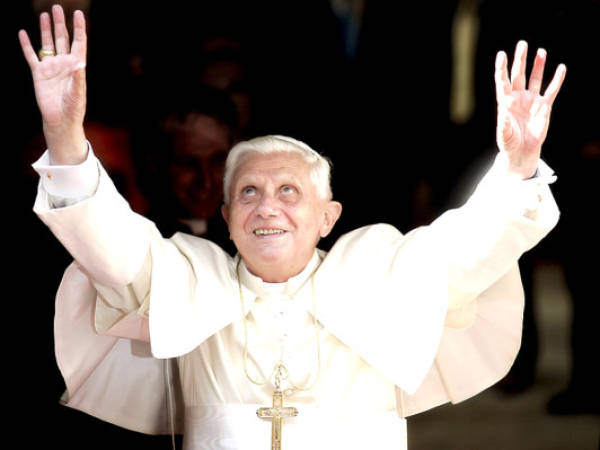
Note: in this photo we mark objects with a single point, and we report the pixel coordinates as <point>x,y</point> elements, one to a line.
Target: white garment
<point>218,396</point>
<point>379,294</point>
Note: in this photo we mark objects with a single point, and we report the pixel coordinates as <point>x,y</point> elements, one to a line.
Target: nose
<point>267,207</point>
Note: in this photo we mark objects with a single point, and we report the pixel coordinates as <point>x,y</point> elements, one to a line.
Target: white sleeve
<point>503,218</point>
<point>68,184</point>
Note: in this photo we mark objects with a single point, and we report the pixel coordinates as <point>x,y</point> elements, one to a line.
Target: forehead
<point>199,135</point>
<point>276,164</point>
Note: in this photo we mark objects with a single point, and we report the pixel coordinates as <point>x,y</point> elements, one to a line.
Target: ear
<point>225,214</point>
<point>332,213</point>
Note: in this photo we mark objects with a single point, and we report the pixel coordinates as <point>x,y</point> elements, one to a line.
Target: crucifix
<point>276,413</point>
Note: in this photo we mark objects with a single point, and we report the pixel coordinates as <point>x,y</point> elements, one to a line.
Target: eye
<point>185,162</point>
<point>248,191</point>
<point>288,190</point>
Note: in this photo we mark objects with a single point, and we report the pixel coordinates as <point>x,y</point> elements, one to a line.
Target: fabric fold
<point>490,345</point>
<point>113,378</point>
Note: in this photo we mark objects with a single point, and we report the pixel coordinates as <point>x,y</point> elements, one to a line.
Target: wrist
<point>520,168</point>
<point>66,147</point>
<point>524,172</point>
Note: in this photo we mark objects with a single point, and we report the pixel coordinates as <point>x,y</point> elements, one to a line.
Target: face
<point>196,165</point>
<point>275,215</point>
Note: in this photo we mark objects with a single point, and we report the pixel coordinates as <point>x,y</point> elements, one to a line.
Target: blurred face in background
<point>199,151</point>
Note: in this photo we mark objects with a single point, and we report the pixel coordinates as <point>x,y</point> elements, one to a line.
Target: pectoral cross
<point>277,413</point>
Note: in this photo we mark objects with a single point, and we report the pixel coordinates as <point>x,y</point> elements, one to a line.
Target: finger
<point>61,35</point>
<point>501,76</point>
<point>517,73</point>
<point>537,73</point>
<point>79,47</point>
<point>46,32</point>
<point>28,51</point>
<point>556,83</point>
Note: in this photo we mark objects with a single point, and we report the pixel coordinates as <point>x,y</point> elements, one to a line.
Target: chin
<point>271,257</point>
<point>266,263</point>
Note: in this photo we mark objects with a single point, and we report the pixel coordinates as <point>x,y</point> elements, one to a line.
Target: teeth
<point>263,231</point>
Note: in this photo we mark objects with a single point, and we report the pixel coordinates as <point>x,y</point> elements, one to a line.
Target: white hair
<point>319,166</point>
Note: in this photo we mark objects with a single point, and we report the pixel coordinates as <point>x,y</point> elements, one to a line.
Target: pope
<point>284,345</point>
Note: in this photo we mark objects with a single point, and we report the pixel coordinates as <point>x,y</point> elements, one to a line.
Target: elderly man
<point>284,342</point>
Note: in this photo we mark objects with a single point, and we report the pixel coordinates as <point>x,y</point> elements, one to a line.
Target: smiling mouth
<point>268,231</point>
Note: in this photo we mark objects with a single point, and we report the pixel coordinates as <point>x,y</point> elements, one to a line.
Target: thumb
<point>79,78</point>
<point>507,132</point>
<point>78,86</point>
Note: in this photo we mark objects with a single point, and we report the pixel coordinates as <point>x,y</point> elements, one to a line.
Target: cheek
<point>181,176</point>
<point>238,219</point>
<point>306,221</point>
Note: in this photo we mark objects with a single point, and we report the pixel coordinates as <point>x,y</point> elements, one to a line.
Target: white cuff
<point>68,182</point>
<point>545,172</point>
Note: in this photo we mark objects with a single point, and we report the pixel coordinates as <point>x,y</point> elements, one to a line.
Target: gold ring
<point>43,52</point>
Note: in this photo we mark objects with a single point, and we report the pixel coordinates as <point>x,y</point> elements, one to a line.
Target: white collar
<point>254,286</point>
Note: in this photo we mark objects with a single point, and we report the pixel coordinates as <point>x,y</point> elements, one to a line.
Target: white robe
<point>382,301</point>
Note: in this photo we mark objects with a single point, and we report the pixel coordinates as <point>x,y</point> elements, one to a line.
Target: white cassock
<point>405,322</point>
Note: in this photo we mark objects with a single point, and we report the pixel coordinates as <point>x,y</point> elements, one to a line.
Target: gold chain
<point>279,366</point>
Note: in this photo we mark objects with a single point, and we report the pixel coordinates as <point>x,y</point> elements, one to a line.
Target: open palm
<point>524,114</point>
<point>59,79</point>
<point>58,93</point>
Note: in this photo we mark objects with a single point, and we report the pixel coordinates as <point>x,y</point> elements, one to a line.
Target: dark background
<point>381,114</point>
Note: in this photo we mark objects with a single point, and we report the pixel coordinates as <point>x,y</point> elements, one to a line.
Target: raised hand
<point>524,114</point>
<point>59,82</point>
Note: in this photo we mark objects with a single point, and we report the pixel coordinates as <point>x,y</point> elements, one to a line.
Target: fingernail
<point>541,52</point>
